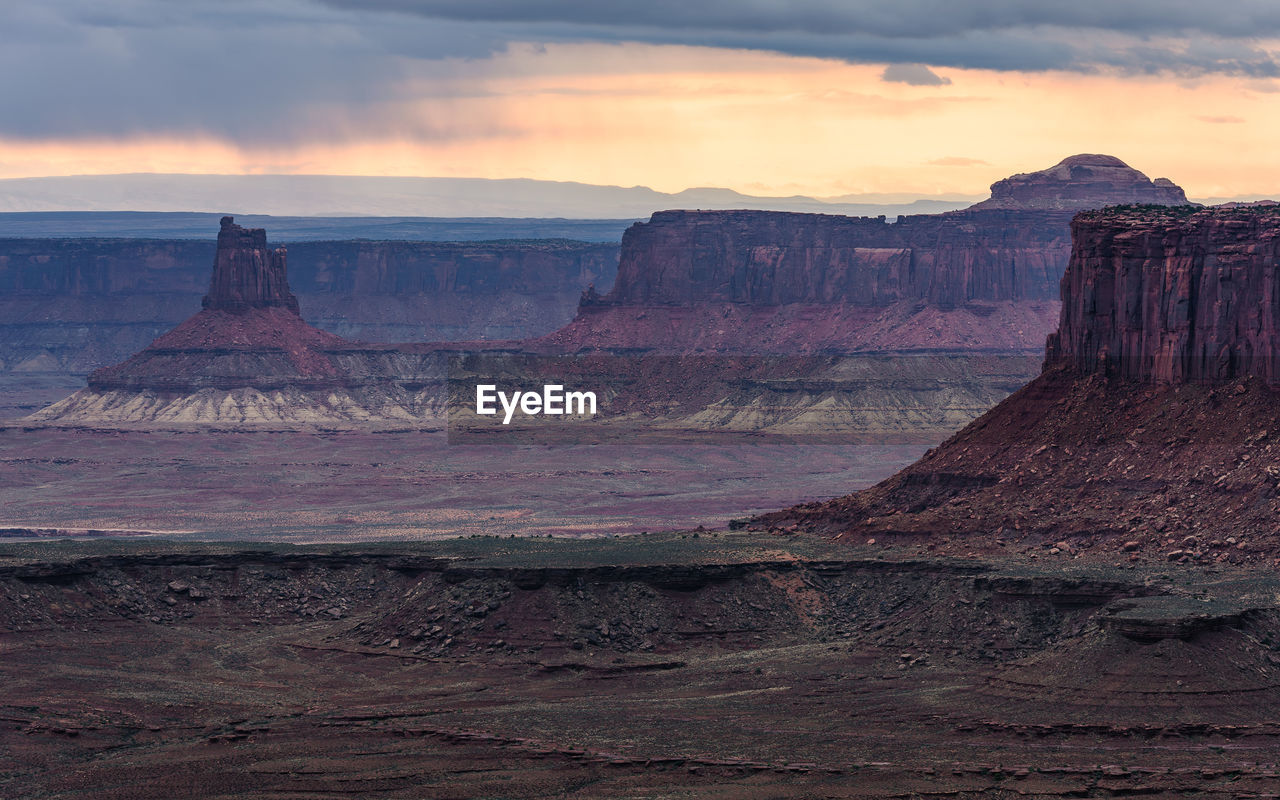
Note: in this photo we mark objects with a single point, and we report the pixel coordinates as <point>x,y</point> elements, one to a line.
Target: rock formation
<point>1151,432</point>
<point>877,298</point>
<point>985,278</point>
<point>246,273</point>
<point>70,306</point>
<point>249,358</point>
<point>1173,296</point>
<point>1082,182</point>
<point>786,283</point>
<point>767,258</point>
<point>962,288</point>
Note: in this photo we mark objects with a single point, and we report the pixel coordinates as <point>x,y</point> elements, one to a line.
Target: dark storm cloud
<point>902,18</point>
<point>913,74</point>
<point>1083,35</point>
<point>249,70</point>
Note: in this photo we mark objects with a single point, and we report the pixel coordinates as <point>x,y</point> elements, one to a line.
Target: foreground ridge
<point>486,667</point>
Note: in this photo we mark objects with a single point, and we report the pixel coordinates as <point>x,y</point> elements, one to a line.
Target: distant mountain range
<point>353,196</point>
<point>202,225</point>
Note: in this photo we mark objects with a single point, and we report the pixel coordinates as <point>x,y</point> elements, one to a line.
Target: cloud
<point>1221,120</point>
<point>904,18</point>
<point>1137,36</point>
<point>957,161</point>
<point>913,74</point>
<point>252,71</point>
<point>275,72</point>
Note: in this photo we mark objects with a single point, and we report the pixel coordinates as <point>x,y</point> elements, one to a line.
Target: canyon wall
<point>1173,296</point>
<point>68,306</point>
<point>445,291</point>
<point>1149,433</point>
<point>985,278</point>
<point>776,282</point>
<point>774,258</point>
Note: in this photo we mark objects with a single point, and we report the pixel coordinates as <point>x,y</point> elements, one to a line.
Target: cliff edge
<point>985,278</point>
<point>1150,434</point>
<point>784,283</point>
<point>1172,296</point>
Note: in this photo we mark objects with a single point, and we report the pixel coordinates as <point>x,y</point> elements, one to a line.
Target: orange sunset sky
<point>600,108</point>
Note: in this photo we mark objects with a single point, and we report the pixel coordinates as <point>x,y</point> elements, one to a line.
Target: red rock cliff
<point>246,273</point>
<point>771,258</point>
<point>1150,434</point>
<point>1171,296</point>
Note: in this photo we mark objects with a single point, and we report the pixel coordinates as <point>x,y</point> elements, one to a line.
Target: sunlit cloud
<point>819,98</point>
<point>957,161</point>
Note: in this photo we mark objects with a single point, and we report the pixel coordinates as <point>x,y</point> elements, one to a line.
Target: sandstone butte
<point>248,357</point>
<point>1153,431</point>
<point>985,278</point>
<point>1077,183</point>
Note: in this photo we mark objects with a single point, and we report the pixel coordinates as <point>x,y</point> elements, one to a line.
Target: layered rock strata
<point>69,306</point>
<point>249,358</point>
<point>1151,432</point>
<point>1082,182</point>
<point>981,279</point>
<point>964,287</point>
<point>1173,296</point>
<point>768,258</point>
<point>756,281</point>
<point>246,273</point>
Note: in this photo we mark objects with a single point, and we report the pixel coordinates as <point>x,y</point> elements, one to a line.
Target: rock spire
<point>246,273</point>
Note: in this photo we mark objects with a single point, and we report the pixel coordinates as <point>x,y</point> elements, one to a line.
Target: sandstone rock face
<point>774,282</point>
<point>69,306</point>
<point>246,273</point>
<point>996,260</point>
<point>1151,432</point>
<point>1083,182</point>
<point>446,291</point>
<point>774,258</point>
<point>1173,296</point>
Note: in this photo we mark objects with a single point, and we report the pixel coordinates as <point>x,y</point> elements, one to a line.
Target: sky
<point>813,97</point>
